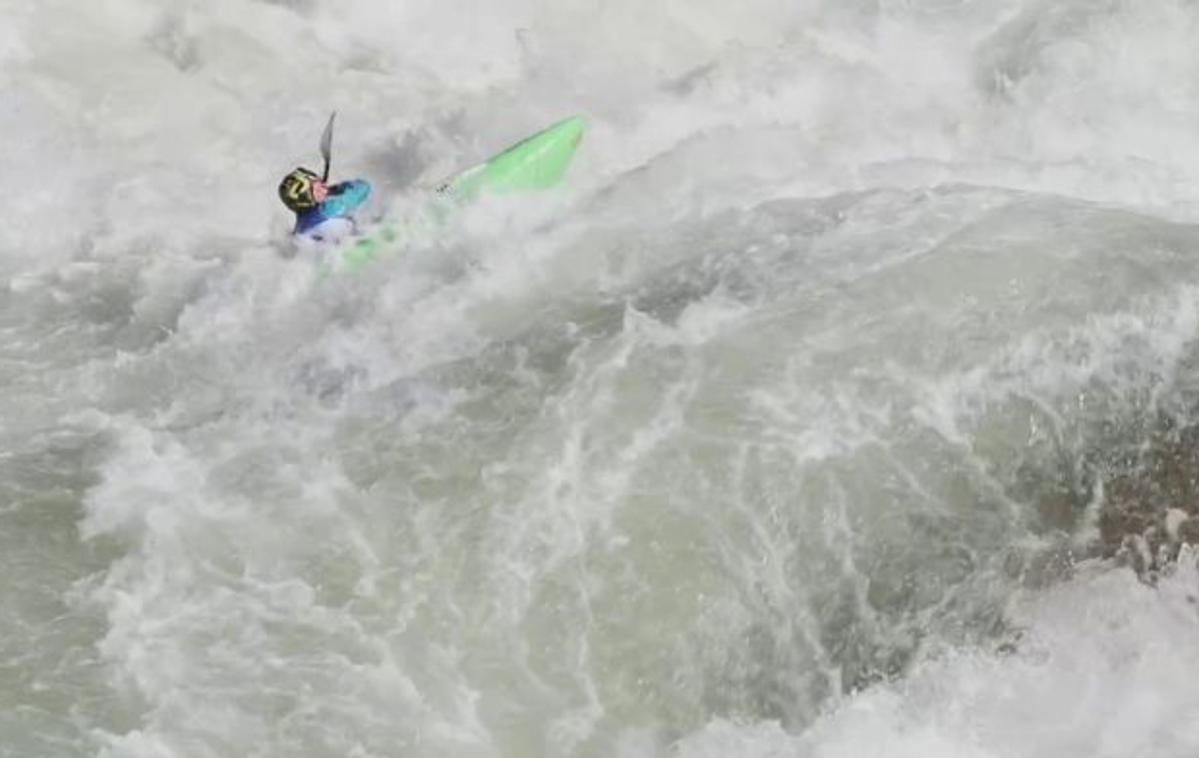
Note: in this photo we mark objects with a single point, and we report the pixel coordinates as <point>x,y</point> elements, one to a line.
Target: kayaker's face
<point>320,191</point>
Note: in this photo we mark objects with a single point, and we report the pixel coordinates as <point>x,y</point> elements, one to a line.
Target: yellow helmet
<point>296,190</point>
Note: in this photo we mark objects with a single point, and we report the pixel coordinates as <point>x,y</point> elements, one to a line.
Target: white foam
<point>1102,668</point>
<point>555,481</point>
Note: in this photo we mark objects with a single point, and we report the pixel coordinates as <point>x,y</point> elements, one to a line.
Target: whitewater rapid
<point>783,430</point>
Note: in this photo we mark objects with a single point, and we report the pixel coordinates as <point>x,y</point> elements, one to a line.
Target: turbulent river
<point>830,409</point>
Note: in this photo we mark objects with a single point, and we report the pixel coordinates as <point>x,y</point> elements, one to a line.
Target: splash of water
<point>774,435</point>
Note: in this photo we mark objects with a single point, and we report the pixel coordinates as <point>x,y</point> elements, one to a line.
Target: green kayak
<point>535,163</point>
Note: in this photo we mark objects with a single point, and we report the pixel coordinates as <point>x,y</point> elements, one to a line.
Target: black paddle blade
<point>327,145</point>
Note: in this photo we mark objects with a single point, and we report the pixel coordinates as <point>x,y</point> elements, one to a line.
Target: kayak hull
<point>536,163</point>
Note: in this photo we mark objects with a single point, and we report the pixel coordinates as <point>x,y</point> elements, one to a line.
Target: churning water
<point>782,431</point>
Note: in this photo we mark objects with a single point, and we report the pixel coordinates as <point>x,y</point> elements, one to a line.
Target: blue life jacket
<point>344,198</point>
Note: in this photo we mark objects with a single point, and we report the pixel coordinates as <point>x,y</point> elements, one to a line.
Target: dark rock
<point>1149,504</point>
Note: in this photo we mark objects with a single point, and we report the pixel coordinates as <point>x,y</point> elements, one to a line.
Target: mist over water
<point>782,430</point>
